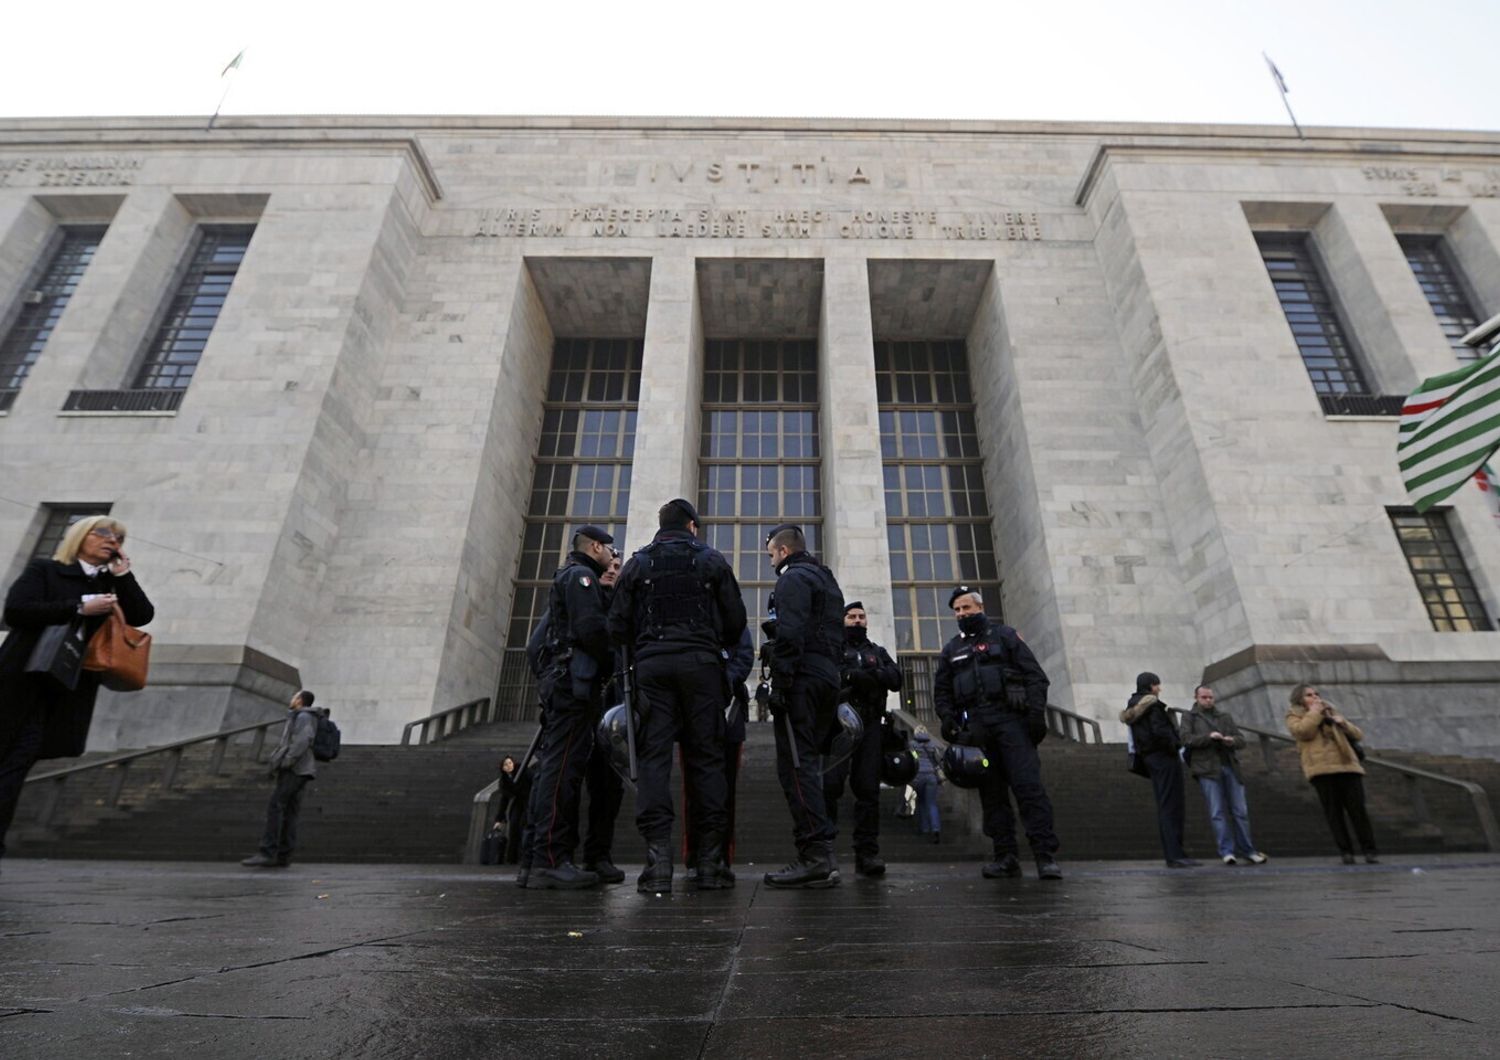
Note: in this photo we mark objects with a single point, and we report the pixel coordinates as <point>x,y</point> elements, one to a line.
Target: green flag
<point>1450,426</point>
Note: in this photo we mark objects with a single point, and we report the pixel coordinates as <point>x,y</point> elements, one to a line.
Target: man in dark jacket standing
<point>869,673</point>
<point>578,664</point>
<point>677,608</point>
<point>1213,742</point>
<point>990,692</point>
<point>1156,740</point>
<point>292,766</point>
<point>804,651</point>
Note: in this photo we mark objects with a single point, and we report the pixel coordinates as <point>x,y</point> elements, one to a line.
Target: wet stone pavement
<point>1296,958</point>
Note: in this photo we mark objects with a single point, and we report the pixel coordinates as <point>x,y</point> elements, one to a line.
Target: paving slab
<point>1295,958</point>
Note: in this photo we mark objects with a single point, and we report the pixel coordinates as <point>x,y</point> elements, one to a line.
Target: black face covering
<point>855,634</point>
<point>973,625</point>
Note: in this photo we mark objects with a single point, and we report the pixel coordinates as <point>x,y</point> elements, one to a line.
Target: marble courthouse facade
<point>350,380</point>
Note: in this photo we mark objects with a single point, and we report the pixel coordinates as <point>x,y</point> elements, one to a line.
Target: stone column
<point>666,439</point>
<point>854,541</point>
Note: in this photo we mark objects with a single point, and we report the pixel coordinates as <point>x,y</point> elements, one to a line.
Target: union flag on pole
<point>1450,427</point>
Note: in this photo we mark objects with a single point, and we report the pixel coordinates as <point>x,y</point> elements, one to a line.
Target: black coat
<point>809,609</point>
<point>48,594</point>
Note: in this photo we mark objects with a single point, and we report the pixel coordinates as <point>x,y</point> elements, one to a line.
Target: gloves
<point>1036,728</point>
<point>777,702</point>
<point>952,733</point>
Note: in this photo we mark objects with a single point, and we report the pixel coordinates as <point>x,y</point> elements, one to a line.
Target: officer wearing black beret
<point>869,674</point>
<point>577,665</point>
<point>677,609</point>
<point>804,650</point>
<point>990,692</point>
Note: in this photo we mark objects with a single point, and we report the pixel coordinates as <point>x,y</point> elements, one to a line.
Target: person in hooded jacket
<point>869,673</point>
<point>1157,741</point>
<point>927,781</point>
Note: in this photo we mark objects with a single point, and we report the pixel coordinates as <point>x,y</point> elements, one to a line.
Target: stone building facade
<point>1179,458</point>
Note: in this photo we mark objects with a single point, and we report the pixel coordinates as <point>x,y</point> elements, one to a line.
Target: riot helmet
<point>964,765</point>
<point>614,739</point>
<point>846,736</point>
<point>898,768</point>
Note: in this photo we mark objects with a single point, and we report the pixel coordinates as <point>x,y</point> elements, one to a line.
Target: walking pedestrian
<point>928,780</point>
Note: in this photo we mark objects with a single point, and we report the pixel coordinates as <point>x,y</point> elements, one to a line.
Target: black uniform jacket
<point>809,622</point>
<point>724,606</point>
<point>870,673</point>
<point>974,673</point>
<point>48,594</point>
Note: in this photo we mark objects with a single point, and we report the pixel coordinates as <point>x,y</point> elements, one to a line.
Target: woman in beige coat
<point>1331,764</point>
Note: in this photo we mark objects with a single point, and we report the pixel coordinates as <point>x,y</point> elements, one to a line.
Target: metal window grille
<point>760,462</point>
<point>936,510</point>
<point>42,306</point>
<point>59,518</point>
<point>1322,338</point>
<point>1444,289</point>
<point>1439,569</point>
<point>581,475</point>
<point>177,347</point>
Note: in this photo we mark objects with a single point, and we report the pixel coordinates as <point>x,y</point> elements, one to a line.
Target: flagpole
<point>234,64</point>
<point>1281,87</point>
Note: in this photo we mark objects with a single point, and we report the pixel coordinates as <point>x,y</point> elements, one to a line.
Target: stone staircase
<point>385,803</point>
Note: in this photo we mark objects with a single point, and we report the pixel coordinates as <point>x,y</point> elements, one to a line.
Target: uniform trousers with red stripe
<point>568,726</point>
<point>813,709</point>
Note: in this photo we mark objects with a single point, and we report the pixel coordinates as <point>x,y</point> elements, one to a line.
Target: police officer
<point>990,692</point>
<point>578,664</point>
<point>804,652</point>
<point>677,607</point>
<point>869,673</point>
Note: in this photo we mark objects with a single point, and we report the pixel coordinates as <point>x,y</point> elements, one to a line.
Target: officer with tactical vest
<point>576,664</point>
<point>677,608</point>
<point>869,673</point>
<point>991,693</point>
<point>804,651</point>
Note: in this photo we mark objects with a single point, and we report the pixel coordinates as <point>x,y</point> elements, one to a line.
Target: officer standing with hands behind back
<point>990,692</point>
<point>806,646</point>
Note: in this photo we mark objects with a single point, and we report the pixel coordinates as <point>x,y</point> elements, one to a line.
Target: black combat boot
<point>869,864</point>
<point>657,876</point>
<point>713,874</point>
<point>564,876</point>
<point>1046,868</point>
<point>1004,866</point>
<point>815,867</point>
<point>607,870</point>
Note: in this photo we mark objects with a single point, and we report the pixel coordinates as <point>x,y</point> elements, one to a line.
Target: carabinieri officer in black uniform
<point>577,665</point>
<point>990,692</point>
<point>677,607</point>
<point>805,648</point>
<point>869,673</point>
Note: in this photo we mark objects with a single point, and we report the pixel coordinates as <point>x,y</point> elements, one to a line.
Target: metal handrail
<point>479,821</point>
<point>449,721</point>
<point>1070,725</point>
<point>121,765</point>
<point>1478,797</point>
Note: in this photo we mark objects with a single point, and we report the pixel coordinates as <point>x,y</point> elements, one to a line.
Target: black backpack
<point>325,743</point>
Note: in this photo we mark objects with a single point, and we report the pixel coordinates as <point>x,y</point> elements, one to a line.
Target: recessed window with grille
<point>43,304</point>
<point>178,344</point>
<point>59,518</point>
<point>581,475</point>
<point>1443,285</point>
<point>936,512</point>
<point>1438,566</point>
<point>1327,351</point>
<point>761,460</point>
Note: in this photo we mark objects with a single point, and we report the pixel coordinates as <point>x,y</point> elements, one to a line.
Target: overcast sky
<point>1420,63</point>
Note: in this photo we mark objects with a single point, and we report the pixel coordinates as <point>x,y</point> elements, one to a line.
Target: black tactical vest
<point>675,598</point>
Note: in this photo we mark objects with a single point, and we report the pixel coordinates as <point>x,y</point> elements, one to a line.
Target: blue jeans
<point>928,818</point>
<point>1228,812</point>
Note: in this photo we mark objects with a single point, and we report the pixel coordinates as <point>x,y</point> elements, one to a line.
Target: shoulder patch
<point>585,581</point>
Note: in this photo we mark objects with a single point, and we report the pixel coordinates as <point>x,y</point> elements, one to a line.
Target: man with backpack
<point>308,737</point>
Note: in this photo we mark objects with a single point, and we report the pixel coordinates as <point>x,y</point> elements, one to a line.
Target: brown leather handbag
<point>119,653</point>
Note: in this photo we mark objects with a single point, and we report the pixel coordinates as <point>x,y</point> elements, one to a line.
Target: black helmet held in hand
<point>898,768</point>
<point>964,765</point>
<point>846,736</point>
<point>613,736</point>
